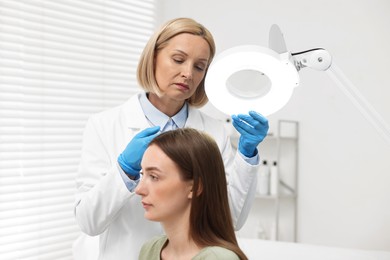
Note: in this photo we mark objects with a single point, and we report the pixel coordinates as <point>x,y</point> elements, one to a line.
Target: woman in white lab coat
<point>171,71</point>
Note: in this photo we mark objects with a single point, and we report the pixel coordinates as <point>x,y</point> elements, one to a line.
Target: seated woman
<point>184,187</point>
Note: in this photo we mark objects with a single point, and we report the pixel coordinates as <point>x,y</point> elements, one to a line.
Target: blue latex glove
<point>253,129</point>
<point>130,158</point>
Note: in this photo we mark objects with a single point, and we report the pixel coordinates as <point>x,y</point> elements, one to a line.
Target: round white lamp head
<point>251,77</point>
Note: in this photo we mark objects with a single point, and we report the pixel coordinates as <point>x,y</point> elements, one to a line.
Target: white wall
<point>344,181</point>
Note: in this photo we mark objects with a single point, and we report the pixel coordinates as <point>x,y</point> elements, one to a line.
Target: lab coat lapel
<point>194,119</point>
<point>134,116</point>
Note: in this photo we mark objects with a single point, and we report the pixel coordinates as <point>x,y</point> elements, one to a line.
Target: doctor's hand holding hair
<point>183,186</point>
<point>171,72</point>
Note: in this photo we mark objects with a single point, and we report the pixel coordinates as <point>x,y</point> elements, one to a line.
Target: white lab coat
<point>104,207</point>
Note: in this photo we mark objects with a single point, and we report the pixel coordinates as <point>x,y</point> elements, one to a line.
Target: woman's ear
<point>199,190</point>
<point>190,188</point>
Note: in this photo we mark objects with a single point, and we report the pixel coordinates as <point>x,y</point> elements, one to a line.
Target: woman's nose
<point>139,189</point>
<point>187,72</point>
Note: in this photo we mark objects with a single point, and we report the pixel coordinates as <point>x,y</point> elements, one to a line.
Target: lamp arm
<point>318,59</point>
<point>360,102</point>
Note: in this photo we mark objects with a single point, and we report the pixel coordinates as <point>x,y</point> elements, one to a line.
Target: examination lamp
<point>251,77</point>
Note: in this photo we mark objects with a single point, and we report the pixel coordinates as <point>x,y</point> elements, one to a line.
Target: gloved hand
<point>130,158</point>
<point>253,129</point>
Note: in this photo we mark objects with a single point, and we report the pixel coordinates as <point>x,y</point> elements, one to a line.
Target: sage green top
<point>151,250</point>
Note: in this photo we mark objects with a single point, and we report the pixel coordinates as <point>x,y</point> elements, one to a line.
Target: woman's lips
<point>146,205</point>
<point>182,86</point>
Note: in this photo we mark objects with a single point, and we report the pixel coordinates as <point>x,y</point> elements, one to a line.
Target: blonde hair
<point>146,66</point>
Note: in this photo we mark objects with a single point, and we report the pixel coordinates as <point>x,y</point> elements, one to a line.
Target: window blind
<point>60,61</point>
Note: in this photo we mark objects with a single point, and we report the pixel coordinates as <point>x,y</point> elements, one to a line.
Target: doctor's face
<point>165,196</point>
<point>181,65</point>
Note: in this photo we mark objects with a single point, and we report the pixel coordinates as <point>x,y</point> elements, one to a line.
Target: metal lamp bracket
<point>318,59</point>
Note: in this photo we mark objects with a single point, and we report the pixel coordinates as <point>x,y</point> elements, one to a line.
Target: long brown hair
<point>199,159</point>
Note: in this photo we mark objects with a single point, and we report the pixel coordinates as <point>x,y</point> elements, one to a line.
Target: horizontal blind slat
<point>49,147</point>
<point>38,210</point>
<point>33,224</point>
<point>30,87</point>
<point>34,179</point>
<point>11,49</point>
<point>48,170</point>
<point>17,119</point>
<point>79,22</point>
<point>61,251</point>
<point>20,77</point>
<point>12,42</point>
<point>64,115</point>
<point>36,164</point>
<point>51,104</point>
<point>34,193</point>
<point>55,60</point>
<point>44,240</point>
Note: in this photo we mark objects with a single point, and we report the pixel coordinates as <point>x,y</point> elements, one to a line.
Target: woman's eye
<point>154,177</point>
<point>200,68</point>
<point>178,61</point>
